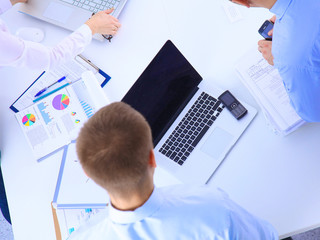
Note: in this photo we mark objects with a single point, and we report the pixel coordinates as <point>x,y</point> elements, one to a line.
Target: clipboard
<point>73,69</point>
<point>53,122</point>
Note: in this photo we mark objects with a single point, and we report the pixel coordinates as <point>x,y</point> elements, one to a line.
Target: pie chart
<point>28,120</point>
<point>61,102</point>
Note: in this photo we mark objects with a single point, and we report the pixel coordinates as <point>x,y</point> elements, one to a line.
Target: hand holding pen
<point>103,23</point>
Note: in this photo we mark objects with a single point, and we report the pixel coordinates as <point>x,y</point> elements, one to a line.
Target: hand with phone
<point>266,30</point>
<point>265,46</point>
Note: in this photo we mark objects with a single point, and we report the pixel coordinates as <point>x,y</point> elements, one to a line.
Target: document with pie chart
<point>55,121</point>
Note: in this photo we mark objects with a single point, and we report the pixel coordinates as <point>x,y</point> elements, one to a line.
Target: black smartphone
<point>265,28</point>
<point>233,105</point>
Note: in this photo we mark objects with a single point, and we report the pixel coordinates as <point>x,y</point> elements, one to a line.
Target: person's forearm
<point>19,53</point>
<point>13,2</point>
<point>5,5</point>
<point>70,46</point>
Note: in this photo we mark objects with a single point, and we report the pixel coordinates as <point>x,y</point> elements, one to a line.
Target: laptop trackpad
<point>217,143</point>
<point>58,12</point>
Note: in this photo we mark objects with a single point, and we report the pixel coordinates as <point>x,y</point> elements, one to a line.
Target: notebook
<point>192,131</point>
<point>70,14</point>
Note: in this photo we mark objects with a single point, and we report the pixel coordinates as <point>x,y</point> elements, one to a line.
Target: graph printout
<point>71,219</point>
<point>72,70</point>
<point>266,85</point>
<point>56,120</point>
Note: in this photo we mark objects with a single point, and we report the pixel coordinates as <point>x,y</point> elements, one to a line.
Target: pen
<point>49,93</point>
<point>45,89</point>
<point>108,37</point>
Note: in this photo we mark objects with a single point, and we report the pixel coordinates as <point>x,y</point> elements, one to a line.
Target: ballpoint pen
<point>45,89</point>
<point>105,36</point>
<point>49,93</point>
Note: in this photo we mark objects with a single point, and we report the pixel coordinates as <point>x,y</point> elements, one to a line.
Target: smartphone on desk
<point>265,28</point>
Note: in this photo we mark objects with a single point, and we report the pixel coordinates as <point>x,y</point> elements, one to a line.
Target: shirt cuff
<point>86,32</point>
<point>5,5</point>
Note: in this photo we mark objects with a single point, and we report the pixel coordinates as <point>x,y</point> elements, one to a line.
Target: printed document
<point>54,121</point>
<point>72,70</point>
<point>265,84</point>
<point>77,198</point>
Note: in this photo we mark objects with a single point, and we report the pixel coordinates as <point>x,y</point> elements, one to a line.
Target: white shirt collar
<point>147,209</point>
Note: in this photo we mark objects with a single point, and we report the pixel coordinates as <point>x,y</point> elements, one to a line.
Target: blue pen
<point>45,89</point>
<point>49,93</point>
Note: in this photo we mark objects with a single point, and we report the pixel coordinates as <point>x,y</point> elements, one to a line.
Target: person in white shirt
<point>115,150</point>
<point>17,52</point>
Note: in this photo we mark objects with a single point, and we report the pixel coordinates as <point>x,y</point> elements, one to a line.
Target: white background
<point>275,178</point>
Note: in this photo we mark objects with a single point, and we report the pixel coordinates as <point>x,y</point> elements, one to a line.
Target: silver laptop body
<point>192,130</point>
<point>212,148</point>
<point>70,14</point>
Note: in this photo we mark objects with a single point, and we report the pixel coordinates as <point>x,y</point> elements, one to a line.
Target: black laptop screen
<point>163,89</point>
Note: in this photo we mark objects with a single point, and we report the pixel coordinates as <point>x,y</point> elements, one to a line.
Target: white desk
<point>275,178</point>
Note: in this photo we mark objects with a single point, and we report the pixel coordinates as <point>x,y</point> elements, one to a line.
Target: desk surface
<point>275,178</point>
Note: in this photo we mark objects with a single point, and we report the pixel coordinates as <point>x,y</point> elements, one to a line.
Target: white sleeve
<point>19,53</point>
<point>5,5</point>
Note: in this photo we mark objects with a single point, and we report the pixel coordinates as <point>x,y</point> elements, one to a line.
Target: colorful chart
<point>61,102</point>
<point>87,108</point>
<point>73,113</point>
<point>77,121</point>
<point>44,113</point>
<point>28,120</point>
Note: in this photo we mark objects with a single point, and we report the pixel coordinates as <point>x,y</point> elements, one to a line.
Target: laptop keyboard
<point>94,5</point>
<point>191,128</point>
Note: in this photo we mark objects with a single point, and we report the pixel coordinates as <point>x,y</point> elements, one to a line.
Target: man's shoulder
<point>194,195</point>
<point>192,188</point>
<point>296,40</point>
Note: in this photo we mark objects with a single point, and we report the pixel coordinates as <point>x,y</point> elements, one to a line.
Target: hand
<point>265,48</point>
<point>273,19</point>
<point>13,2</point>
<point>103,23</point>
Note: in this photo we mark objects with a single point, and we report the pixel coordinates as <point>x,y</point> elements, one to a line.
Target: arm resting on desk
<point>19,53</point>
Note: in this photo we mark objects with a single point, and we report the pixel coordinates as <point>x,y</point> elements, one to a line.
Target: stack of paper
<point>55,120</point>
<point>77,198</point>
<point>266,86</point>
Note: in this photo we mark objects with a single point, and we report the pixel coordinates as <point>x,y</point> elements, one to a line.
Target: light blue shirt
<point>179,212</point>
<point>296,51</point>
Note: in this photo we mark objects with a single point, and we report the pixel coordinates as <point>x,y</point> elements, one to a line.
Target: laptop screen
<point>163,89</point>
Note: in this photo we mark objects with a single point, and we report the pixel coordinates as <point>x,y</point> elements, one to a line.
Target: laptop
<point>70,14</point>
<point>192,130</point>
